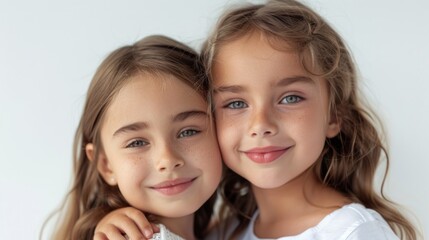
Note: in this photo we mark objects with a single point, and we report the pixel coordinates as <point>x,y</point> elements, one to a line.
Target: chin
<point>176,211</point>
<point>266,183</point>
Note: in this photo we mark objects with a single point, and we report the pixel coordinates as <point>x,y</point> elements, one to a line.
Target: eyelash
<point>231,105</point>
<point>296,98</point>
<point>137,143</point>
<point>193,132</point>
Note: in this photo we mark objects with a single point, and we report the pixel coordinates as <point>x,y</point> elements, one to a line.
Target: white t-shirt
<point>165,234</point>
<point>351,222</point>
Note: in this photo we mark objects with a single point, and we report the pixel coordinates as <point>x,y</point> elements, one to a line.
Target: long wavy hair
<point>90,197</point>
<point>349,161</point>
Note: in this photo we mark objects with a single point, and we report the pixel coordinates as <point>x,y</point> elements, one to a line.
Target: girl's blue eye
<point>236,105</point>
<point>137,143</point>
<point>188,133</point>
<point>290,99</point>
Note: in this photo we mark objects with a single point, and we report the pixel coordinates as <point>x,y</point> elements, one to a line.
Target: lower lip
<point>176,189</point>
<point>265,157</point>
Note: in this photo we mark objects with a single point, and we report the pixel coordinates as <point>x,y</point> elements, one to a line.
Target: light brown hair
<point>90,197</point>
<point>349,161</point>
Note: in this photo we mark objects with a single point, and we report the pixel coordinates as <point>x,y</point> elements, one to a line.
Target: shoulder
<point>353,222</point>
<point>356,213</point>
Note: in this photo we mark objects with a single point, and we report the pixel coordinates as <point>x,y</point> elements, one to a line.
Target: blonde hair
<point>90,197</point>
<point>349,161</point>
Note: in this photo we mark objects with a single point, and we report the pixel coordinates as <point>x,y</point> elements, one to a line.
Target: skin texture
<point>157,134</point>
<point>272,120</point>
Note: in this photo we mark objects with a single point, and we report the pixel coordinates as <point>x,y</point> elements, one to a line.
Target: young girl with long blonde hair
<point>302,147</point>
<point>145,140</point>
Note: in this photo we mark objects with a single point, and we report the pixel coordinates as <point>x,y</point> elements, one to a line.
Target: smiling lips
<point>174,186</point>
<point>265,154</point>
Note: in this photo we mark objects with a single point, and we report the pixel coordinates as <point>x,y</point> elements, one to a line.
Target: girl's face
<point>272,117</point>
<point>160,146</point>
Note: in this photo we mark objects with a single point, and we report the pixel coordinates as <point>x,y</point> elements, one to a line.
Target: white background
<point>49,51</point>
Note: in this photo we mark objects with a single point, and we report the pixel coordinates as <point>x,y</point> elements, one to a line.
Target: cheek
<point>226,139</point>
<point>131,181</point>
<point>311,130</point>
<point>214,152</point>
<point>230,131</point>
<point>133,170</point>
<point>227,144</point>
<point>205,155</point>
<point>227,128</point>
<point>214,165</point>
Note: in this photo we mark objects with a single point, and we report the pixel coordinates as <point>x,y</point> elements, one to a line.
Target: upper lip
<point>172,183</point>
<point>265,149</point>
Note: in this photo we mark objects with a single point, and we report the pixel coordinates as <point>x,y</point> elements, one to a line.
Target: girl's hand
<point>124,223</point>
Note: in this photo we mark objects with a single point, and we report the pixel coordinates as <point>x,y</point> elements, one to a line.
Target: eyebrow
<point>282,82</point>
<point>291,80</point>
<point>232,89</point>
<point>136,126</point>
<point>131,127</point>
<point>188,114</point>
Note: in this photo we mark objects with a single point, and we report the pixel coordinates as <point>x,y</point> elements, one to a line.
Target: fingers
<point>100,236</point>
<point>124,223</point>
<point>141,222</point>
<point>155,228</point>
<point>110,232</point>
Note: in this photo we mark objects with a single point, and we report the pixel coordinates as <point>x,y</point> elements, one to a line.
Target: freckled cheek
<point>229,135</point>
<point>212,160</point>
<point>204,152</point>
<point>135,169</point>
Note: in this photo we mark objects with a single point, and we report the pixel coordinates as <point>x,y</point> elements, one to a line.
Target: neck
<point>285,200</point>
<point>182,226</point>
<point>295,206</point>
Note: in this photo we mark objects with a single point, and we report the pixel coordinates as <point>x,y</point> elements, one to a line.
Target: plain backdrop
<point>49,51</point>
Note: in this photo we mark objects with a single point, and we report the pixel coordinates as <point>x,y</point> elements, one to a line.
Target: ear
<point>103,165</point>
<point>334,126</point>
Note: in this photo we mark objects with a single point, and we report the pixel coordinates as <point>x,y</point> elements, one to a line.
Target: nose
<point>169,159</point>
<point>262,123</point>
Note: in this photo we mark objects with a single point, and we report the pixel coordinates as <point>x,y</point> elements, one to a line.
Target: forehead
<point>257,37</point>
<point>250,52</point>
<point>147,95</point>
<point>281,43</point>
<point>150,87</point>
<point>258,46</point>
